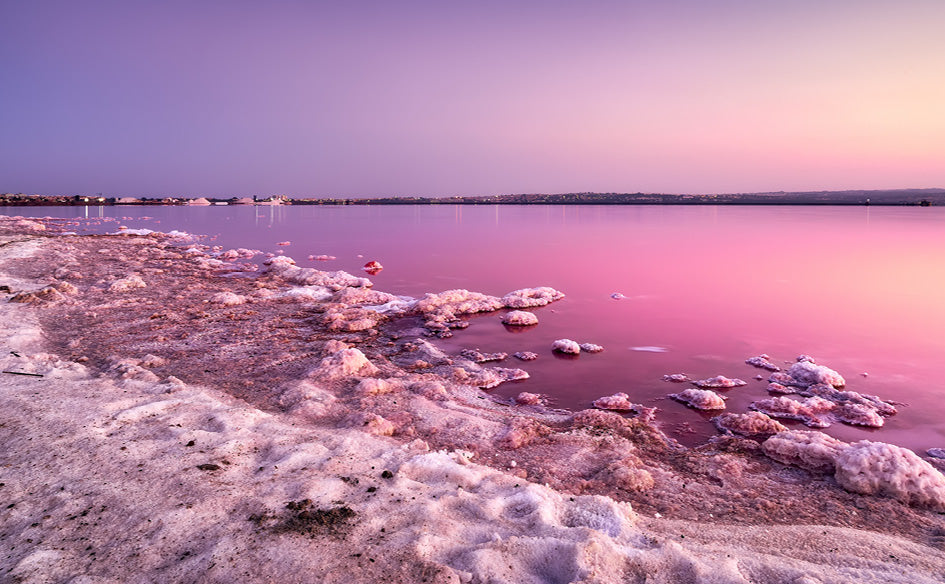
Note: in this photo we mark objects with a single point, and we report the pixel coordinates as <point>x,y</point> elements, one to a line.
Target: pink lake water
<point>862,289</point>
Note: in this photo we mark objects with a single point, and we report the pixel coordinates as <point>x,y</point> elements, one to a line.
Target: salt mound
<point>804,448</point>
<point>619,402</point>
<point>284,267</point>
<point>591,348</point>
<point>762,362</point>
<point>701,399</point>
<point>525,355</point>
<point>811,411</point>
<point>519,318</point>
<point>529,297</point>
<point>566,346</point>
<point>808,373</point>
<point>719,381</point>
<point>676,378</point>
<point>876,468</point>
<point>529,399</point>
<point>446,307</point>
<point>748,424</point>
<point>343,364</point>
<point>127,283</point>
<point>227,299</point>
<point>478,357</point>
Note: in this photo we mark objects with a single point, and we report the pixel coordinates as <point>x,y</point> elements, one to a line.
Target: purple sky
<point>352,98</point>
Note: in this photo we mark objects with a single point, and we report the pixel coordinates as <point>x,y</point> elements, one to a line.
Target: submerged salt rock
<point>520,318</point>
<point>719,382</point>
<point>804,448</point>
<point>345,363</point>
<point>525,355</point>
<point>811,411</point>
<point>566,346</point>
<point>591,348</point>
<point>227,299</point>
<point>701,399</point>
<point>619,402</point>
<point>446,307</point>
<point>762,361</point>
<point>808,373</point>
<point>529,399</point>
<point>478,357</point>
<point>529,297</point>
<point>127,283</point>
<point>859,415</point>
<point>877,468</point>
<point>748,424</point>
<point>676,378</point>
<point>843,397</point>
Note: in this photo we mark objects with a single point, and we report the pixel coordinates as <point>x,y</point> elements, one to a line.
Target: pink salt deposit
<point>718,382</point>
<point>701,399</point>
<point>173,440</point>
<point>566,346</point>
<point>519,318</point>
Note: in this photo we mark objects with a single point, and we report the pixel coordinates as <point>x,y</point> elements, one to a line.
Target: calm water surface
<point>858,288</point>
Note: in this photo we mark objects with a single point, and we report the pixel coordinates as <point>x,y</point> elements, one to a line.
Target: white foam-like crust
<point>101,484</point>
<point>701,399</point>
<point>531,297</point>
<point>566,346</point>
<point>519,318</point>
<point>808,373</point>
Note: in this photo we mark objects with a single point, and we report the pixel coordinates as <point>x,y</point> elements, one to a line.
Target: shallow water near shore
<point>857,288</point>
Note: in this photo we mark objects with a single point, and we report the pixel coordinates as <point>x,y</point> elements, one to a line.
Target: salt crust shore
<point>172,440</point>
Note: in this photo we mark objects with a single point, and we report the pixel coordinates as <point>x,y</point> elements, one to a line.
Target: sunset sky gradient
<point>356,98</point>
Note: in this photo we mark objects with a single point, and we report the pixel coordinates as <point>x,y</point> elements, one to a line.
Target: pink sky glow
<point>225,98</point>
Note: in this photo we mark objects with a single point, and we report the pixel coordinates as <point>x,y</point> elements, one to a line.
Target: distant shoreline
<point>898,197</point>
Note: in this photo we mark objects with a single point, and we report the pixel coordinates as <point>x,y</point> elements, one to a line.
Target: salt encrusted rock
<point>676,378</point>
<point>619,402</point>
<point>284,267</point>
<point>782,378</point>
<point>487,378</point>
<point>806,358</point>
<point>521,432</point>
<point>812,411</point>
<point>345,363</point>
<point>227,299</point>
<point>719,382</point>
<point>859,415</point>
<point>748,424</point>
<point>529,399</point>
<point>127,283</point>
<point>762,362</point>
<point>446,307</point>
<point>566,346</point>
<point>362,296</point>
<point>774,387</point>
<point>305,398</point>
<point>525,355</point>
<point>843,397</point>
<point>375,386</point>
<point>591,348</point>
<point>804,448</point>
<point>307,293</point>
<point>873,468</point>
<point>322,258</point>
<point>529,297</point>
<point>519,318</point>
<point>478,357</point>
<point>807,373</point>
<point>701,399</point>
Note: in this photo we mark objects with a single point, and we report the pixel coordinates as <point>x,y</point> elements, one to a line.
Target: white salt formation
<point>284,267</point>
<point>762,362</point>
<point>869,468</point>
<point>808,373</point>
<point>127,283</point>
<point>525,355</point>
<point>566,346</point>
<point>812,411</point>
<point>719,382</point>
<point>747,424</point>
<point>479,357</point>
<point>591,348</point>
<point>520,318</point>
<point>676,378</point>
<point>619,401</point>
<point>530,297</point>
<point>227,299</point>
<point>444,308</point>
<point>701,399</point>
